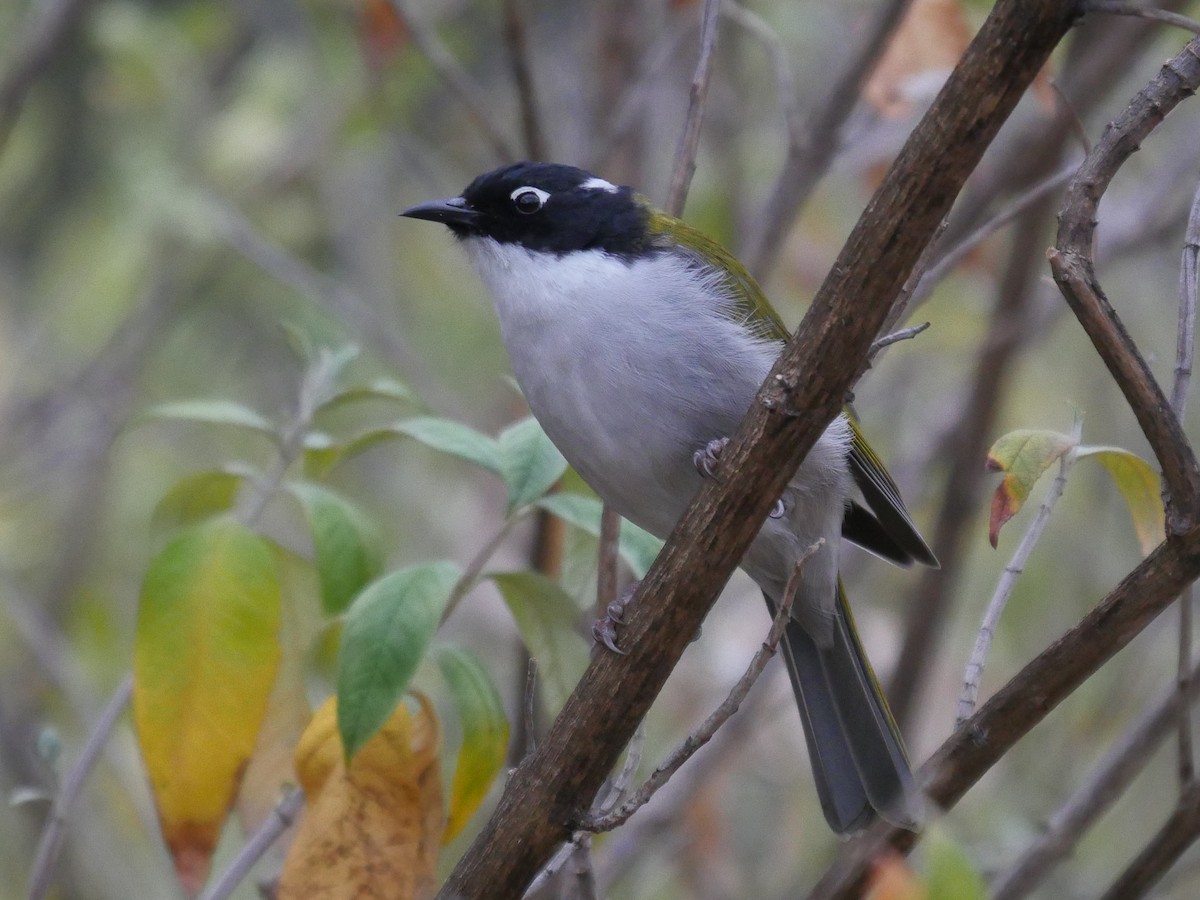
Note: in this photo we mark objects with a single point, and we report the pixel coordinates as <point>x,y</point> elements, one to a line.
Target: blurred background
<point>180,179</point>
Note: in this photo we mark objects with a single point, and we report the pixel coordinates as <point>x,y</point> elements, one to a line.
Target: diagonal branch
<point>553,787</point>
<point>1071,263</point>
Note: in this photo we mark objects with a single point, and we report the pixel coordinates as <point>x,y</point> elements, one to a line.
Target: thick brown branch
<point>1071,263</point>
<point>551,790</point>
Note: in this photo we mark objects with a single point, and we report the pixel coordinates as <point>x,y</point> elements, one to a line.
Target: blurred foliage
<point>190,191</point>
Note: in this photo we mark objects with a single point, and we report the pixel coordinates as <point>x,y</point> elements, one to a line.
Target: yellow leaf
<point>288,711</point>
<point>374,829</point>
<point>205,658</point>
<point>1141,487</point>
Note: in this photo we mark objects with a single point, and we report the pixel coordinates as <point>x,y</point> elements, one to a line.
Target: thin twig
<point>689,141</point>
<point>1099,791</point>
<point>518,53</point>
<point>946,262</point>
<point>607,559</point>
<point>529,706</point>
<point>42,36</point>
<point>553,866</point>
<point>585,874</point>
<point>1074,272</point>
<point>456,79</point>
<point>281,818</point>
<point>633,759</point>
<point>1004,588</point>
<point>785,79</point>
<point>813,149</point>
<point>50,844</point>
<point>703,734</point>
<point>1142,12</point>
<point>1178,833</point>
<point>473,572</point>
<point>904,334</point>
<point>1184,350</point>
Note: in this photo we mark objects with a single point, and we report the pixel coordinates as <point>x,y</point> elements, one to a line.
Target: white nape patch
<point>599,184</point>
<point>541,195</point>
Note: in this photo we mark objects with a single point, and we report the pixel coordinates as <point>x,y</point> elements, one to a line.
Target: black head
<point>544,206</point>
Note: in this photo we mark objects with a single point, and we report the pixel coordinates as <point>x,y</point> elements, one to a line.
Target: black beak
<point>452,211</point>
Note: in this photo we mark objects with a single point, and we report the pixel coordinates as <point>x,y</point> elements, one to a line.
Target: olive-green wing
<point>749,304</point>
<point>884,526</point>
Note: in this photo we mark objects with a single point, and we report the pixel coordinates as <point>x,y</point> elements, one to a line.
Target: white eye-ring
<point>529,200</point>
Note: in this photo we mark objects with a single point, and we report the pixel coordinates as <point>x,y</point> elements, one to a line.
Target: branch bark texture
<point>549,793</point>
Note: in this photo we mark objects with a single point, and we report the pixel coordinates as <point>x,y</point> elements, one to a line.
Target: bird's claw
<point>604,629</point>
<point>707,457</point>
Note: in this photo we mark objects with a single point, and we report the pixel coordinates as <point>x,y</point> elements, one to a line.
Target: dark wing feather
<point>883,500</point>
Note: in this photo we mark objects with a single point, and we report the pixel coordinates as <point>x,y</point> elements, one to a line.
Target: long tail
<point>858,757</point>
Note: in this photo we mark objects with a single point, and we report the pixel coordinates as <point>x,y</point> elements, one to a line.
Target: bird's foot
<point>708,457</point>
<point>604,629</point>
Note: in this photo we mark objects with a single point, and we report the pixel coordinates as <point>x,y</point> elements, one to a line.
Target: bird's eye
<point>529,200</point>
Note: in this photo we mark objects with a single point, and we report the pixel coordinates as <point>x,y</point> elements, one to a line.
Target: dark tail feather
<point>858,758</point>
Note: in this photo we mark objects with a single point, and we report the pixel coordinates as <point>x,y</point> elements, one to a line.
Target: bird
<point>639,344</point>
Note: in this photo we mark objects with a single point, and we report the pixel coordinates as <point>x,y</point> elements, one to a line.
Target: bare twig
<point>1178,833</point>
<point>812,150</point>
<point>1004,588</point>
<point>1184,349</point>
<point>473,571</point>
<point>456,79</point>
<point>1099,791</point>
<point>42,36</point>
<point>944,263</point>
<point>785,79</point>
<point>42,873</point>
<point>518,52</point>
<point>689,141</point>
<point>280,820</point>
<point>607,821</point>
<point>607,559</point>
<point>1071,263</point>
<point>904,334</point>
<point>1142,12</point>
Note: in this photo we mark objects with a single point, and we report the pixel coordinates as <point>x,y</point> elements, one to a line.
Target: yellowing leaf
<point>373,829</point>
<point>950,874</point>
<point>1141,487</point>
<point>485,734</point>
<point>205,658</point>
<point>270,767</point>
<point>1023,456</point>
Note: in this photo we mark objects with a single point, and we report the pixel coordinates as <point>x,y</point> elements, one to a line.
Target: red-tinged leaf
<point>893,879</point>
<point>205,658</point>
<point>1023,456</point>
<point>372,828</point>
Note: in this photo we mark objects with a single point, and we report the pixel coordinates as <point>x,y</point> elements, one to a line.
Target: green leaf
<point>548,621</point>
<point>197,497</point>
<point>950,873</point>
<point>387,630</point>
<point>485,734</point>
<point>347,546</point>
<point>210,412</point>
<point>377,389</point>
<point>638,547</point>
<point>453,438</point>
<point>1141,487</point>
<point>529,462</point>
<point>1023,456</point>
